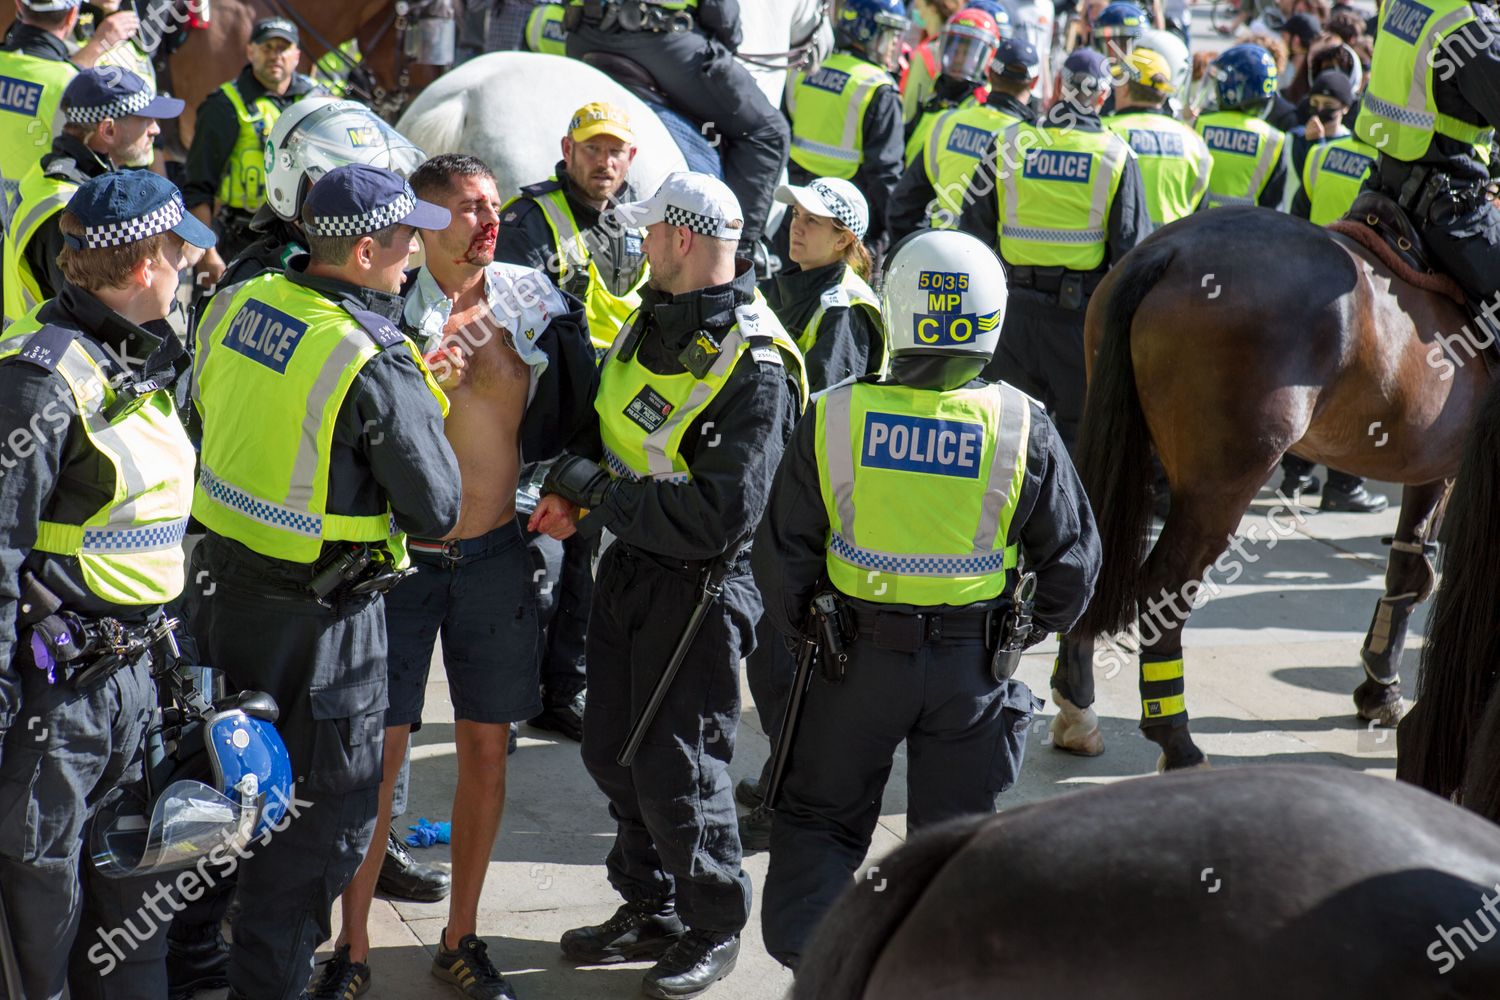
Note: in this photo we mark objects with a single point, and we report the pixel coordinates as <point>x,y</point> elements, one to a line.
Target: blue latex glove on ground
<point>428,833</point>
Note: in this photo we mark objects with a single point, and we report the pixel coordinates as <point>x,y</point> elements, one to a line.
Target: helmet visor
<point>189,821</point>
<point>967,54</point>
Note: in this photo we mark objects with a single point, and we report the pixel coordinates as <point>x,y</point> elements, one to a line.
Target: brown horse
<point>1222,342</point>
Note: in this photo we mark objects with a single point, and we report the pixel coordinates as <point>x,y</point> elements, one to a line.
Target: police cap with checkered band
<point>359,199</point>
<point>111,92</point>
<point>702,203</point>
<point>127,206</point>
<point>833,198</point>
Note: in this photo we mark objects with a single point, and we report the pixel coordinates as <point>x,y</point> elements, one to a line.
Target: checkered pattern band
<point>165,535</point>
<point>369,222</point>
<point>120,107</point>
<point>917,565</point>
<point>840,208</point>
<point>114,234</point>
<point>705,225</point>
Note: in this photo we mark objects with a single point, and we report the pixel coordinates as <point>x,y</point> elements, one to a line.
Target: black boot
<point>1292,485</point>
<point>645,929</point>
<point>755,829</point>
<point>199,962</point>
<point>404,877</point>
<point>1353,501</point>
<point>695,963</point>
<point>566,718</point>
<point>749,792</point>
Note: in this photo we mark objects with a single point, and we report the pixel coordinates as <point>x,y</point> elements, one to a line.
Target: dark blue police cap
<point>1087,71</point>
<point>127,206</point>
<point>358,199</point>
<point>1016,59</point>
<point>111,92</point>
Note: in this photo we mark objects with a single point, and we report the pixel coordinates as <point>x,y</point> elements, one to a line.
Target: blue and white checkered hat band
<point>114,234</point>
<point>840,208</point>
<point>119,108</point>
<point>369,222</point>
<point>705,225</point>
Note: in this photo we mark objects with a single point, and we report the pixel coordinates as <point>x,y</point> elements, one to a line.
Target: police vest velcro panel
<point>852,292</point>
<point>129,552</point>
<point>1057,187</point>
<point>607,313</point>
<point>544,30</point>
<point>31,90</point>
<point>275,363</point>
<point>1398,113</point>
<point>39,198</point>
<point>243,185</point>
<point>1245,151</point>
<point>827,108</point>
<point>959,142</point>
<point>1174,160</point>
<point>920,489</point>
<point>1333,174</point>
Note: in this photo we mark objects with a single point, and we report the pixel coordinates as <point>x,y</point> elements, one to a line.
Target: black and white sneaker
<point>469,970</point>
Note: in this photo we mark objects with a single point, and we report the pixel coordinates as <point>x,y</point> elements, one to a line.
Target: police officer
<point>846,115</point>
<point>1175,165</point>
<point>544,30</point>
<point>226,171</point>
<point>1063,201</point>
<point>555,226</point>
<point>1431,106</point>
<point>34,70</point>
<point>688,47</point>
<point>932,189</point>
<point>1249,154</point>
<point>110,121</point>
<point>916,500</point>
<point>322,445</point>
<point>969,42</point>
<point>921,70</point>
<point>95,508</point>
<point>696,400</point>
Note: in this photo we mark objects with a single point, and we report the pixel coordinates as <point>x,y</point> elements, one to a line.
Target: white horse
<point>511,109</point>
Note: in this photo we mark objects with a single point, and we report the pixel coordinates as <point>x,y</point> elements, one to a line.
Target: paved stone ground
<point>1271,663</point>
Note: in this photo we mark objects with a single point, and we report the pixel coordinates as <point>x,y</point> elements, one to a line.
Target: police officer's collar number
<point>945,323</point>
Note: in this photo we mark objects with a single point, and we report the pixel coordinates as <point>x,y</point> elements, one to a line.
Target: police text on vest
<point>922,444</point>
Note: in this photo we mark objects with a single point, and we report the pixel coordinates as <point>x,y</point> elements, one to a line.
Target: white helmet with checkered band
<point>943,306</point>
<point>317,134</point>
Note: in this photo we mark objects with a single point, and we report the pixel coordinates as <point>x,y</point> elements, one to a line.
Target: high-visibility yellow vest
<point>31,90</point>
<point>129,551</point>
<point>920,489</point>
<point>244,183</point>
<point>852,292</point>
<point>643,416</point>
<point>333,70</point>
<point>1398,113</point>
<point>827,109</point>
<point>1054,209</point>
<point>1333,174</point>
<point>40,197</point>
<point>1245,151</point>
<point>274,363</point>
<point>917,141</point>
<point>607,313</point>
<point>544,30</point>
<point>959,141</point>
<point>1176,167</point>
<point>129,55</point>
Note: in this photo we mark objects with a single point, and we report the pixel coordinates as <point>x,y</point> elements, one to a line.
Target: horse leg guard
<point>1164,718</point>
<point>1075,729</point>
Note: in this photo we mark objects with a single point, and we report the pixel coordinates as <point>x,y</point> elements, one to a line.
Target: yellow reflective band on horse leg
<point>1166,670</point>
<point>1163,708</point>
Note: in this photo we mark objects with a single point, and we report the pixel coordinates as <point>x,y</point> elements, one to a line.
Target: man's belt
<point>1052,279</point>
<point>635,15</point>
<point>907,633</point>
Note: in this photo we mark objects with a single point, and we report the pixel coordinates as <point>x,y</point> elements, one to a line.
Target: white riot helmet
<point>943,305</point>
<point>1169,47</point>
<point>317,134</point>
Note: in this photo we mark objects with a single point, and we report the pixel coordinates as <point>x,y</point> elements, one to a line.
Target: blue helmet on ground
<point>872,27</point>
<point>998,11</point>
<point>1245,78</point>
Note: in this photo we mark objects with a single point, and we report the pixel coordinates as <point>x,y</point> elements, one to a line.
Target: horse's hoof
<point>1379,703</point>
<point>1178,751</point>
<point>1075,729</point>
<point>1162,767</point>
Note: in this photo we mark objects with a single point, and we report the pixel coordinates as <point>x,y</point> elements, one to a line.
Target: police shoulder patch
<point>540,188</point>
<point>836,297</point>
<point>46,347</point>
<point>767,355</point>
<point>380,329</point>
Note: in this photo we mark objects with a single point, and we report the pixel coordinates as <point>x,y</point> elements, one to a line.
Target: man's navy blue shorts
<point>480,595</point>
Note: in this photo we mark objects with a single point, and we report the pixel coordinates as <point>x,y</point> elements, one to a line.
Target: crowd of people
<point>603,445</point>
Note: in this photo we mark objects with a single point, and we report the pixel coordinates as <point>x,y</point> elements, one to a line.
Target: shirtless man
<point>513,355</point>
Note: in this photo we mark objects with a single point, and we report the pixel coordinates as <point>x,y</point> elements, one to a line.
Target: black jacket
<point>911,203</point>
<point>49,471</point>
<point>388,448</point>
<point>74,161</point>
<point>1053,525</point>
<point>216,129</point>
<point>847,342</point>
<point>732,461</point>
<point>1129,221</point>
<point>33,41</point>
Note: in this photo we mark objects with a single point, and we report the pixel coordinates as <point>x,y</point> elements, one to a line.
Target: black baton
<point>781,754</point>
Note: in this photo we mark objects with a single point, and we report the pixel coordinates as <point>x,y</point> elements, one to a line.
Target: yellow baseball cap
<point>600,118</point>
<point>1146,67</point>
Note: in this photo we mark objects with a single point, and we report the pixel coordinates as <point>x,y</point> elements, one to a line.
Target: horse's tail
<point>438,129</point>
<point>1451,741</point>
<point>842,952</point>
<point>1114,447</point>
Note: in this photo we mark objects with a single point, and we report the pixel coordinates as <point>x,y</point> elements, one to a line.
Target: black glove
<point>578,481</point>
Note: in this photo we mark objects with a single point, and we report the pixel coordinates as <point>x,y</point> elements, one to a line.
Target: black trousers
<point>965,737</point>
<point>1041,354</point>
<point>705,82</point>
<point>677,834</point>
<point>770,670</point>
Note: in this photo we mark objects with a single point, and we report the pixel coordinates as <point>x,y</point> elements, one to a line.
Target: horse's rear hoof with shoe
<point>1075,729</point>
<point>1379,703</point>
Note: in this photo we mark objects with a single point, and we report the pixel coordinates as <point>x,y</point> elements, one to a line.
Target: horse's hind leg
<point>1408,580</point>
